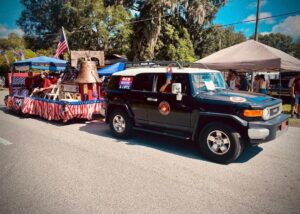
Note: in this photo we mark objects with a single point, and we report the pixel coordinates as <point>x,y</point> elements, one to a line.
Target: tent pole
<point>280,83</point>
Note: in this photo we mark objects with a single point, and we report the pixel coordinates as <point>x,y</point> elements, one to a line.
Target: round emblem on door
<point>164,108</point>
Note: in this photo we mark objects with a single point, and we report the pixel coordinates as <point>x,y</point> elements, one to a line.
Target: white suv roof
<point>141,70</point>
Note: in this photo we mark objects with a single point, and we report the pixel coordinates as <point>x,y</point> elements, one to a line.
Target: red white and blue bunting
<point>55,110</point>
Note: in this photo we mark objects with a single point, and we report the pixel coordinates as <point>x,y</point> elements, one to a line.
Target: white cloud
<point>290,26</point>
<point>262,16</point>
<point>264,33</point>
<point>4,31</point>
<point>245,30</point>
<point>254,4</point>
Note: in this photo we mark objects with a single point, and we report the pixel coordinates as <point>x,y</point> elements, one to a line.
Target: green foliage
<point>13,41</point>
<point>45,52</point>
<point>277,40</point>
<point>189,13</point>
<point>174,44</point>
<point>4,67</point>
<point>173,30</point>
<point>89,25</point>
<point>215,38</point>
<point>117,32</point>
<point>41,21</point>
<point>297,49</point>
<point>10,44</point>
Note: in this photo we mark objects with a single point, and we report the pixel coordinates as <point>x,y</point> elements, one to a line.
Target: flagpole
<point>63,31</point>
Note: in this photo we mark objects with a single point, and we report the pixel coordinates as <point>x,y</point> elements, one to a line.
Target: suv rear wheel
<point>220,143</point>
<point>120,124</point>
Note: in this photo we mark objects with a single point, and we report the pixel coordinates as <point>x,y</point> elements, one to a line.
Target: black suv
<point>193,105</point>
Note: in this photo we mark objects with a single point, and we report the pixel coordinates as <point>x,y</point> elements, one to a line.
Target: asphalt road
<point>48,167</point>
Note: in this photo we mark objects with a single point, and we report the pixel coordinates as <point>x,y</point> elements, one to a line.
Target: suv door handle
<point>151,99</point>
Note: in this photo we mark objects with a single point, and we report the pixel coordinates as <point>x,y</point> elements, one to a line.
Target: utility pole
<point>257,20</point>
<point>256,36</point>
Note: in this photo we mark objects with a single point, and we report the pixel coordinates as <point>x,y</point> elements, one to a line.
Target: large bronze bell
<point>88,73</point>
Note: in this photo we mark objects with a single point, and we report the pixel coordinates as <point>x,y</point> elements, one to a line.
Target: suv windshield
<point>207,81</point>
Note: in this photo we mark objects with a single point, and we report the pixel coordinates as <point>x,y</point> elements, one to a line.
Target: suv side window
<point>143,82</point>
<point>176,78</point>
<point>113,83</point>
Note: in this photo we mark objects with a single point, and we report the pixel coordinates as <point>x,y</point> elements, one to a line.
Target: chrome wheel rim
<point>119,123</point>
<point>218,142</point>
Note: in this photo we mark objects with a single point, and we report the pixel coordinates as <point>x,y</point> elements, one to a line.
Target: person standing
<point>234,82</point>
<point>296,95</point>
<point>256,84</point>
<point>244,84</point>
<point>292,97</point>
<point>263,84</point>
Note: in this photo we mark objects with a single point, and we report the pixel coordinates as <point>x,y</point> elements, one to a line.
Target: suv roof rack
<point>156,64</point>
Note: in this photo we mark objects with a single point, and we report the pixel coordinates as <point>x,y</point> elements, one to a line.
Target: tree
<point>88,24</point>
<point>13,41</point>
<point>41,21</point>
<point>174,44</point>
<point>297,49</point>
<point>277,40</point>
<point>148,24</point>
<point>107,25</point>
<point>215,38</point>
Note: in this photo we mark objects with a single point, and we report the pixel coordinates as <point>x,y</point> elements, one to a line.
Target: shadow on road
<point>166,144</point>
<point>163,143</point>
<point>249,153</point>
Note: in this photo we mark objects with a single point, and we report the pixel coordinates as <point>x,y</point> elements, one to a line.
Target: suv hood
<point>254,100</point>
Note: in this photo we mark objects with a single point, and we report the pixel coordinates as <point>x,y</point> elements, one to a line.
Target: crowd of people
<point>239,82</point>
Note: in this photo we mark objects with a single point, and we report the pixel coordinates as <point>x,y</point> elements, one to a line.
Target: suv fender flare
<point>112,106</point>
<point>213,116</point>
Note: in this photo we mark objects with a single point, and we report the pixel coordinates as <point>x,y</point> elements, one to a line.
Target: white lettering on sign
<point>125,82</point>
<point>70,88</point>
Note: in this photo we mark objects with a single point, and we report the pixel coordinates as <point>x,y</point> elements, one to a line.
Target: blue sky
<point>233,11</point>
<point>239,10</point>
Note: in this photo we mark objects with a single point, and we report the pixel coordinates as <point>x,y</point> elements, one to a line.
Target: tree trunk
<point>147,32</point>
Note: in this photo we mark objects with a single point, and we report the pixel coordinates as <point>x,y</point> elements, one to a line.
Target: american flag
<point>62,46</point>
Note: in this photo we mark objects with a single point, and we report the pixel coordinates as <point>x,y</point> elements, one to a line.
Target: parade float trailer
<point>76,95</point>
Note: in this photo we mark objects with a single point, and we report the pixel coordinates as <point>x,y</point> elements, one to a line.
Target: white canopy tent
<point>250,56</point>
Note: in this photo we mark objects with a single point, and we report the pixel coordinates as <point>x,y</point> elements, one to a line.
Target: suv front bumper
<point>264,131</point>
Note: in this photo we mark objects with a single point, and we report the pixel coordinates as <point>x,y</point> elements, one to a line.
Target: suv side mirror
<point>176,89</point>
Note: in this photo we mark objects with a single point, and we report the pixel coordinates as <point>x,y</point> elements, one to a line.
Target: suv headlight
<point>266,114</point>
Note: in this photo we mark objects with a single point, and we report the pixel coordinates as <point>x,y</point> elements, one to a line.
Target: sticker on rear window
<point>125,82</point>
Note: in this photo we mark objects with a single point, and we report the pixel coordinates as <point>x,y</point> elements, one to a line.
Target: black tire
<point>122,132</point>
<point>214,152</point>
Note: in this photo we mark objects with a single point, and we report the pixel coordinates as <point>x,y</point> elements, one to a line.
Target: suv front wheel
<point>220,143</point>
<point>120,124</point>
